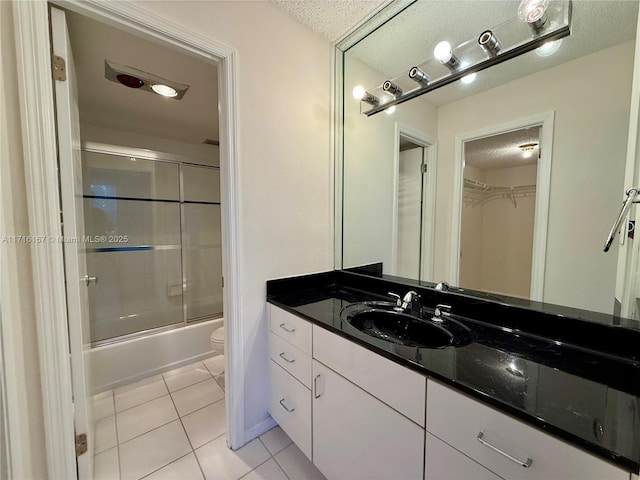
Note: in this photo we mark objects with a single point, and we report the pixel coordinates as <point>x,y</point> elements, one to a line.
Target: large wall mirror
<point>506,183</point>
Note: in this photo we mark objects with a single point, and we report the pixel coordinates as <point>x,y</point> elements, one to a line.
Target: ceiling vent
<point>134,78</point>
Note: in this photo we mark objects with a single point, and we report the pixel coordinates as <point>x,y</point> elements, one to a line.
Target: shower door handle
<point>90,280</point>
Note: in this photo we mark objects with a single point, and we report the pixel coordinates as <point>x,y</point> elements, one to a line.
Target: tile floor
<point>172,426</point>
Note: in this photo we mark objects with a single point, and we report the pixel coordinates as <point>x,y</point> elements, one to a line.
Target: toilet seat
<point>217,336</point>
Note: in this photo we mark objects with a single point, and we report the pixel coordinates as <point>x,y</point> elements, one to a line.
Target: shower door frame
<point>37,109</point>
<point>175,159</point>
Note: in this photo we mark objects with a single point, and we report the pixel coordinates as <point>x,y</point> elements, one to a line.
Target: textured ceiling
<point>408,39</point>
<point>108,104</point>
<point>501,151</point>
<point>329,18</point>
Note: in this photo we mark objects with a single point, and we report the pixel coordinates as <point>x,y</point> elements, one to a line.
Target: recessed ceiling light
<point>164,90</point>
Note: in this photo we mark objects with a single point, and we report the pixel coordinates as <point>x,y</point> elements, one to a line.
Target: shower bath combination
<point>157,258</point>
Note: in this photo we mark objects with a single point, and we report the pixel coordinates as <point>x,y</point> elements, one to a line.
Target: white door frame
<point>428,198</point>
<point>40,158</point>
<point>543,190</point>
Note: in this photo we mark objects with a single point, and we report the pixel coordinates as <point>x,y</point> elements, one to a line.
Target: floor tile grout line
<point>201,408</point>
<point>281,467</point>
<point>172,461</point>
<point>259,465</point>
<point>185,431</point>
<point>115,419</point>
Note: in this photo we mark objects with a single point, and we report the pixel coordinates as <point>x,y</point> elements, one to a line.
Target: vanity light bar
<point>550,21</point>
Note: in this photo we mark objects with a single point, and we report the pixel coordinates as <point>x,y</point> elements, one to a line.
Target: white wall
<point>583,200</point>
<point>20,355</point>
<point>369,147</point>
<point>285,197</point>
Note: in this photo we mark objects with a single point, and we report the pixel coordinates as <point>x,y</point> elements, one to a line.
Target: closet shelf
<point>478,193</point>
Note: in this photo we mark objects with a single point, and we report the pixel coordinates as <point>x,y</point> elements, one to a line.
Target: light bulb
<point>534,13</point>
<point>164,90</point>
<point>527,153</point>
<point>359,92</point>
<point>445,56</point>
<point>443,52</point>
<point>469,78</point>
<point>548,48</point>
<point>390,110</point>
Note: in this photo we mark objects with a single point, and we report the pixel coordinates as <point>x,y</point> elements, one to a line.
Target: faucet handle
<point>397,297</point>
<point>442,309</point>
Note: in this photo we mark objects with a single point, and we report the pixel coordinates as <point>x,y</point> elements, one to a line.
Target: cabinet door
<point>356,436</point>
<point>443,462</point>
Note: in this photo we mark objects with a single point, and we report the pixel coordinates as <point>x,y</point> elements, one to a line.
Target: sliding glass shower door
<point>153,244</point>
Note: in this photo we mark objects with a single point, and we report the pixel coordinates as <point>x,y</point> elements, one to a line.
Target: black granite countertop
<point>577,380</point>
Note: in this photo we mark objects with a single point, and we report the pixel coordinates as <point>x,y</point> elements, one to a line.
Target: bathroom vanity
<point>505,392</point>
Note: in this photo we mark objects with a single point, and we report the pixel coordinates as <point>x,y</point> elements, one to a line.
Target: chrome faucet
<point>444,286</point>
<point>412,300</point>
<point>441,310</point>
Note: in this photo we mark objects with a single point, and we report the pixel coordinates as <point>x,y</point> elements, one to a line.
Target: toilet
<point>217,340</point>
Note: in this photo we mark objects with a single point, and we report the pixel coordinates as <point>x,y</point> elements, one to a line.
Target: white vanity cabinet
<point>503,444</point>
<point>362,413</point>
<point>290,375</point>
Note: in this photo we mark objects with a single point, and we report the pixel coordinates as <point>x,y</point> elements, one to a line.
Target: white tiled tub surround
<point>173,426</point>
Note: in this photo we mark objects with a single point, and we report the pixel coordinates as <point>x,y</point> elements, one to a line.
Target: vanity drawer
<point>397,386</point>
<point>290,406</point>
<point>292,328</point>
<point>443,462</point>
<point>292,359</point>
<point>459,421</point>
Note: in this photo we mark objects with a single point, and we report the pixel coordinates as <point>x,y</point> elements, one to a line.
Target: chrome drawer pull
<point>526,464</point>
<point>283,356</point>
<point>287,328</point>
<point>290,410</point>
<point>317,387</point>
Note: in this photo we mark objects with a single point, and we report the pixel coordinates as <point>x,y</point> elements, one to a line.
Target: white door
<point>73,229</point>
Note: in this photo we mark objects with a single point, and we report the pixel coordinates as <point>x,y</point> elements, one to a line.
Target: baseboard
<point>259,429</point>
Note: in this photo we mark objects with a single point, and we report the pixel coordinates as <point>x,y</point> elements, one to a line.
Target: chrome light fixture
<point>359,93</point>
<point>534,12</point>
<point>391,88</point>
<point>419,76</point>
<point>548,22</point>
<point>445,56</point>
<point>489,43</point>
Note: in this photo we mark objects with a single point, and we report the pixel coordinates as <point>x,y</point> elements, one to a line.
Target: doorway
<point>496,247</point>
<point>414,205</point>
<point>540,130</point>
<point>42,189</point>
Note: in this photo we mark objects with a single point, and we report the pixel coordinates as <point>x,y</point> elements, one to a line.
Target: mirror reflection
<point>443,188</point>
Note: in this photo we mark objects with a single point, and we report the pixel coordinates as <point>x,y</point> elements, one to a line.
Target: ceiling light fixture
<point>359,93</point>
<point>534,12</point>
<point>391,88</point>
<point>164,90</point>
<point>443,53</point>
<point>148,82</point>
<point>419,76</point>
<point>527,149</point>
<point>476,54</point>
<point>489,43</point>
